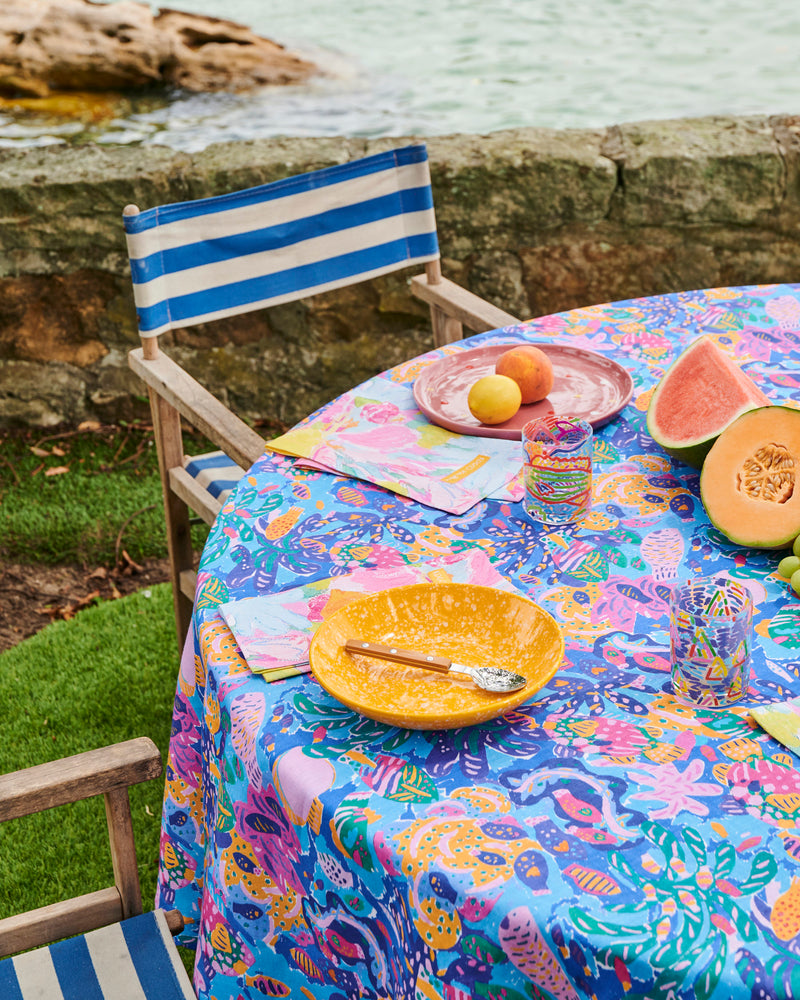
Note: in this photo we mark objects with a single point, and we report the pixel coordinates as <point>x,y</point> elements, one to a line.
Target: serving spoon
<point>489,678</point>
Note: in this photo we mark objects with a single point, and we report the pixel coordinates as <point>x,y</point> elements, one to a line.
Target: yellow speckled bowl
<point>478,626</point>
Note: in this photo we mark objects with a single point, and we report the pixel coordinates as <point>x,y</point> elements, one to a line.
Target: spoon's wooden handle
<point>406,656</point>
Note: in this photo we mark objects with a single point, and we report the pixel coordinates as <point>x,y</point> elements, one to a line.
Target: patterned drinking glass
<point>711,630</point>
<point>557,459</point>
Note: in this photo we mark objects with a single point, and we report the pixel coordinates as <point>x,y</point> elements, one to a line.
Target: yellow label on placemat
<point>466,470</point>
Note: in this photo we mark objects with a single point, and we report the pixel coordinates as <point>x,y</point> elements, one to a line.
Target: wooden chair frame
<point>453,307</point>
<point>175,395</point>
<point>109,772</point>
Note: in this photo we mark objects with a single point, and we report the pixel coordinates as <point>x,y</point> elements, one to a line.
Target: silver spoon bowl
<point>494,679</point>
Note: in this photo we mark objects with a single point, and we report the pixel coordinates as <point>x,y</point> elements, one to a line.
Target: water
<point>477,66</point>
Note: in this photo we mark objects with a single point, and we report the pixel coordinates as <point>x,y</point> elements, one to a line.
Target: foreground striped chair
<point>194,262</point>
<point>119,951</point>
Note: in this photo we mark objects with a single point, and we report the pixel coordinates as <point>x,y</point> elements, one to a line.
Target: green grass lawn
<point>81,496</point>
<point>107,675</point>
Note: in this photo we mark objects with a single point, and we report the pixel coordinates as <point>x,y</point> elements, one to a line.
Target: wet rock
<point>51,46</point>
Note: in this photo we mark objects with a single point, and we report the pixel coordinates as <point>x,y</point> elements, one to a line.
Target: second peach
<point>530,368</point>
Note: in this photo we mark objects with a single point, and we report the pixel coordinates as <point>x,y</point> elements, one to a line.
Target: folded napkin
<point>781,719</point>
<point>274,631</point>
<point>376,433</point>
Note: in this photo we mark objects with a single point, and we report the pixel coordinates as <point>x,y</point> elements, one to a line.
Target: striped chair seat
<point>135,959</point>
<point>215,472</point>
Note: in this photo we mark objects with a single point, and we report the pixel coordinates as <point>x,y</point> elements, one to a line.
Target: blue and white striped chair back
<point>193,262</point>
<point>132,960</point>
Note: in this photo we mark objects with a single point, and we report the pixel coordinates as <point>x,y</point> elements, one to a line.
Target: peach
<point>530,368</point>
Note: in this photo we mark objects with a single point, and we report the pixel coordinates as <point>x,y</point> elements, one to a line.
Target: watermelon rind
<point>693,454</point>
<point>693,451</point>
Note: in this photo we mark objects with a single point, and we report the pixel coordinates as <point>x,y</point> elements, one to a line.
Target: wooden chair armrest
<point>63,919</point>
<point>474,312</point>
<point>200,407</point>
<point>70,779</point>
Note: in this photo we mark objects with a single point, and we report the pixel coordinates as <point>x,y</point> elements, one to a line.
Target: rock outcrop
<point>51,46</point>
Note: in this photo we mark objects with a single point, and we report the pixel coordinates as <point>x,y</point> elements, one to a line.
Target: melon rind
<point>733,394</point>
<point>755,523</point>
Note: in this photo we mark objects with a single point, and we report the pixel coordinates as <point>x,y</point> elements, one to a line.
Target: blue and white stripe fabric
<point>131,960</point>
<point>196,261</point>
<point>216,473</point>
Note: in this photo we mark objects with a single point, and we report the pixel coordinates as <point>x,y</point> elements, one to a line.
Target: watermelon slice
<point>700,394</point>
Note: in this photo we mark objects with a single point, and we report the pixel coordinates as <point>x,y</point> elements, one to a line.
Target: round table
<point>602,839</point>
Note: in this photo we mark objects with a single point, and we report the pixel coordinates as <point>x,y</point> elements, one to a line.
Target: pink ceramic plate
<point>586,385</point>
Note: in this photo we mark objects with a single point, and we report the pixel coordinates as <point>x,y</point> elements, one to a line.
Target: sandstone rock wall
<point>536,221</point>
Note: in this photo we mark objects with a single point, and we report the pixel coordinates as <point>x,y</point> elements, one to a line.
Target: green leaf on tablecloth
<point>630,952</point>
<point>726,860</point>
<point>621,864</point>
<point>491,991</point>
<point>666,984</point>
<point>638,907</point>
<point>783,628</point>
<point>211,593</point>
<point>249,499</point>
<point>706,982</point>
<point>675,955</point>
<point>226,818</point>
<point>350,827</point>
<point>696,845</point>
<point>484,950</point>
<point>604,451</point>
<point>396,738</point>
<point>593,567</point>
<point>590,925</point>
<point>230,764</point>
<point>764,869</point>
<point>368,731</point>
<point>794,975</point>
<point>322,751</point>
<point>726,724</point>
<point>333,716</point>
<point>662,838</point>
<point>744,925</point>
<point>393,779</point>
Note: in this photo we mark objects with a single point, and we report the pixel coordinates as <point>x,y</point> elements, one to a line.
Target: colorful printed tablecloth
<point>602,840</point>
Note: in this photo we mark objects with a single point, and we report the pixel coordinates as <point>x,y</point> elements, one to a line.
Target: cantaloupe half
<point>698,396</point>
<point>750,483</point>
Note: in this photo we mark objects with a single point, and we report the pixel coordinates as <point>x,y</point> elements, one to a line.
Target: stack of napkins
<point>376,433</point>
<point>274,631</point>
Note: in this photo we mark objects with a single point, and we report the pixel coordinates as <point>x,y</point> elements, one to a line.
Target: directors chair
<point>99,946</point>
<point>194,262</point>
